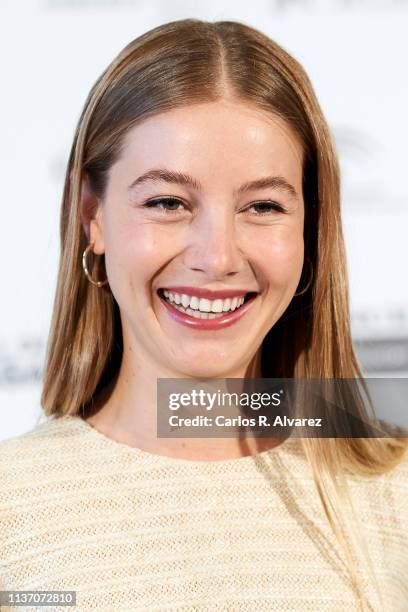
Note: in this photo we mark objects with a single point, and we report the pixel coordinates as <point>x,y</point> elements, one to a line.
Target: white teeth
<point>197,314</point>
<point>185,300</point>
<point>210,308</point>
<point>204,305</point>
<point>227,304</point>
<point>216,306</point>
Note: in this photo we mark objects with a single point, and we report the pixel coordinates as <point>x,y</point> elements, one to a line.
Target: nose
<point>213,244</point>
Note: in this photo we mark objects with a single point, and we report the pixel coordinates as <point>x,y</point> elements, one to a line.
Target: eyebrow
<point>180,178</point>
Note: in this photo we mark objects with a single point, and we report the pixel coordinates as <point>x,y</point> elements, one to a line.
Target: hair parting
<point>189,62</point>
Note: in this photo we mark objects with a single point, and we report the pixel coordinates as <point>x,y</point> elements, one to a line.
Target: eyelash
<point>153,204</point>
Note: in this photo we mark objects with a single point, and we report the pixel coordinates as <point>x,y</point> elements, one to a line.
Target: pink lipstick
<point>221,321</point>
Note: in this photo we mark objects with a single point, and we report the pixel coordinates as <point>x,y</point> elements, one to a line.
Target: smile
<point>204,313</point>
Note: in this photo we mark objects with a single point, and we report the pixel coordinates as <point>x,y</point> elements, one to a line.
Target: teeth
<point>202,306</point>
<point>194,303</point>
<point>185,300</point>
<point>217,306</point>
<point>226,304</point>
<point>197,314</point>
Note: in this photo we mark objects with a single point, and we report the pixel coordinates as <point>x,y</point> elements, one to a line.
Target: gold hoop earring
<point>85,267</point>
<point>310,279</point>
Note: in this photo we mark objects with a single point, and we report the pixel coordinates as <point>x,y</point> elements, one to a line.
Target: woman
<point>202,180</point>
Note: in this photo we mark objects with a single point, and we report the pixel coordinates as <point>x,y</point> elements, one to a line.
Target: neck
<point>126,410</point>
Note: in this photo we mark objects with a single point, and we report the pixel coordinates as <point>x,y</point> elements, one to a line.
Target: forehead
<point>208,138</point>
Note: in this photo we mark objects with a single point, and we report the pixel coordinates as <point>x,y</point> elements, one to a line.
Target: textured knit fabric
<point>131,530</point>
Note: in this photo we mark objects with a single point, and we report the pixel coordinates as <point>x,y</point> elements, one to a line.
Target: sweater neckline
<point>176,461</point>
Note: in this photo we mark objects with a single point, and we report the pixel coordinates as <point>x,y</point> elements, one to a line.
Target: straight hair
<point>188,62</point>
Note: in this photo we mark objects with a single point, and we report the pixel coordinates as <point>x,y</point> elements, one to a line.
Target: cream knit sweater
<point>130,530</point>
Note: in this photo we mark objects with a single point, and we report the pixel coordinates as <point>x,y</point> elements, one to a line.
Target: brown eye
<point>264,208</point>
<point>169,205</point>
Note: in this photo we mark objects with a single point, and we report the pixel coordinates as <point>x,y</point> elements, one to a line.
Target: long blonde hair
<point>186,62</point>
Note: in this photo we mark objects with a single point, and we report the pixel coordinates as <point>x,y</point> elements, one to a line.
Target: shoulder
<point>394,479</point>
<point>395,484</point>
<point>383,498</point>
<point>40,451</point>
<point>50,431</point>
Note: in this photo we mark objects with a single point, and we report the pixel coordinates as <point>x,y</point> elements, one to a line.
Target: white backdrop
<point>52,51</point>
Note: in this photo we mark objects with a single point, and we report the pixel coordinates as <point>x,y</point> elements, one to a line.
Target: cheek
<point>279,255</point>
<point>135,252</point>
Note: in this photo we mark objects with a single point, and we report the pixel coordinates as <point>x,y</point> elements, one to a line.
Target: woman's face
<point>204,197</point>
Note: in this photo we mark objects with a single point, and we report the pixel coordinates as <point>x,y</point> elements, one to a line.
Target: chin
<point>202,371</point>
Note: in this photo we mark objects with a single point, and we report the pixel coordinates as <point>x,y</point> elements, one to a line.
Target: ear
<point>90,209</point>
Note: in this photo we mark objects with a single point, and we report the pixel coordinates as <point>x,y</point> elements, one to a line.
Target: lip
<point>208,293</point>
<point>209,324</point>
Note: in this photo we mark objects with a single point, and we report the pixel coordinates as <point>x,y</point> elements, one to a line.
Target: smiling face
<point>225,213</point>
